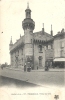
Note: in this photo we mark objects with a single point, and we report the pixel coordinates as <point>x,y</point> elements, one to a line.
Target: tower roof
<point>11,40</point>
<point>51,27</point>
<point>28,9</point>
<point>27,5</point>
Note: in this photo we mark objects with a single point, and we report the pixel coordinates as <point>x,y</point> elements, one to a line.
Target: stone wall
<point>17,57</point>
<point>58,47</point>
<point>36,56</point>
<point>49,54</point>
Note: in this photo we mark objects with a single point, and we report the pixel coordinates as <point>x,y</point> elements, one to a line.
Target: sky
<point>12,13</point>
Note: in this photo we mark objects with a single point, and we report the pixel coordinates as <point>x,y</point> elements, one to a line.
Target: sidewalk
<point>40,70</point>
<point>50,70</point>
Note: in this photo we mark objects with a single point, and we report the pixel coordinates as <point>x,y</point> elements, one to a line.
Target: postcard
<point>32,49</point>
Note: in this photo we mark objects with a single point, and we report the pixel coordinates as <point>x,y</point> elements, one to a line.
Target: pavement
<point>54,77</point>
<point>39,70</point>
<point>51,69</point>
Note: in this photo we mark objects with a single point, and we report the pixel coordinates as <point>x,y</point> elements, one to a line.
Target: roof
<point>62,33</point>
<point>42,36</point>
<point>37,36</point>
<point>18,43</point>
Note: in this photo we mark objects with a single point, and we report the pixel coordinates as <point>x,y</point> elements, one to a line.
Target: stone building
<point>59,49</point>
<point>32,49</point>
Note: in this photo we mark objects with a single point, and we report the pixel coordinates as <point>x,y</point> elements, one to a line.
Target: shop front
<point>59,62</point>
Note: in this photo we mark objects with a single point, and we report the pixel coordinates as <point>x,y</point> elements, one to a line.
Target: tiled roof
<point>18,43</point>
<point>42,36</point>
<point>59,34</point>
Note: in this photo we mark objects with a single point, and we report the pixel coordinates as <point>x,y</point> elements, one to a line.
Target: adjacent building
<point>59,49</point>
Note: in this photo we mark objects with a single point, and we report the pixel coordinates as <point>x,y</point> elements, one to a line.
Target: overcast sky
<point>12,13</point>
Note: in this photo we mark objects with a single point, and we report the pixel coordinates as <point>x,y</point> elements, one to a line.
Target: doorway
<point>40,61</point>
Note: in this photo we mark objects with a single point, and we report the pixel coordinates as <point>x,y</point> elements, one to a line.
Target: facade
<point>33,49</point>
<point>59,49</point>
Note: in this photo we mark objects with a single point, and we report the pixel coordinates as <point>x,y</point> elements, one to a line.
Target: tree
<point>4,65</point>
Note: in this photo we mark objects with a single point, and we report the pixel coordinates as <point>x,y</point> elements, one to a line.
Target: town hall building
<point>32,49</point>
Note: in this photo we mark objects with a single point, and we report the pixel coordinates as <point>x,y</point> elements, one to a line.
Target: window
<point>61,44</point>
<point>45,47</point>
<point>40,48</point>
<point>40,61</point>
<point>49,46</point>
<point>18,52</point>
<point>28,14</point>
<point>31,40</point>
<point>22,51</point>
<point>22,59</point>
<point>62,53</point>
<point>15,53</point>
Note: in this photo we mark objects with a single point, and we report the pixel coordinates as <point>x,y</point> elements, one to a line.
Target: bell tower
<point>28,26</point>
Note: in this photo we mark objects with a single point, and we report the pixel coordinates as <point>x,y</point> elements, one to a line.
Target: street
<point>41,78</point>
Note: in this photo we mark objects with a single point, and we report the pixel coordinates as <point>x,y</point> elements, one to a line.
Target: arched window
<point>31,40</point>
<point>22,51</point>
<point>40,48</point>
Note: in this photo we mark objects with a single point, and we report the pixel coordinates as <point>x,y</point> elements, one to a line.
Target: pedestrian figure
<point>30,67</point>
<point>46,67</point>
<point>25,67</point>
<point>2,68</point>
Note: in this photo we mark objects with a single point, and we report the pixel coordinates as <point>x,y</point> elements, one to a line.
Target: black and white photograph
<point>32,49</point>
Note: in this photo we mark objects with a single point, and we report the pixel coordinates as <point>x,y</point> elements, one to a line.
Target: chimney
<point>43,29</point>
<point>51,31</point>
<point>62,31</point>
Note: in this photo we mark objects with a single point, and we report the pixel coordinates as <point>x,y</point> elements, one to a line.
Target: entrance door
<point>16,61</point>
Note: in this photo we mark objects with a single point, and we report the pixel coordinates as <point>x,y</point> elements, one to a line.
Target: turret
<point>11,43</point>
<point>28,22</point>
